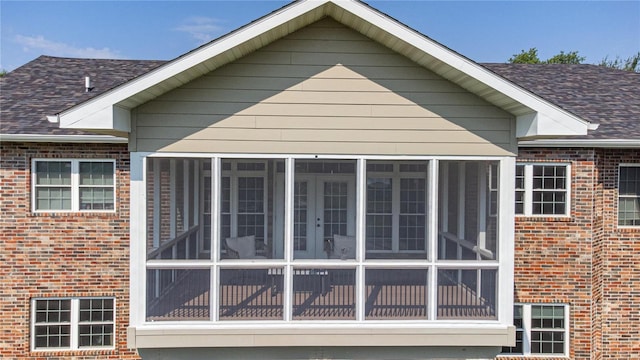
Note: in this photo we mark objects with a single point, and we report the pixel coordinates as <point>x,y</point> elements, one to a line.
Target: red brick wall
<point>553,255</point>
<point>45,255</point>
<point>618,266</point>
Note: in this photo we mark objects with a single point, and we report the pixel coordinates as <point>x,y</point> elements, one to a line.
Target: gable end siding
<point>325,89</point>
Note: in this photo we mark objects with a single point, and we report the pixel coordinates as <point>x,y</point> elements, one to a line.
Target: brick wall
<point>584,260</point>
<point>553,256</point>
<point>617,299</point>
<point>60,255</point>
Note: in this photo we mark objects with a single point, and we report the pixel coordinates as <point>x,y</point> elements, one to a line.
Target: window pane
<point>549,189</point>
<point>96,198</point>
<point>396,294</point>
<point>629,196</point>
<point>53,198</point>
<point>95,335</point>
<point>96,173</point>
<point>53,173</point>
<point>52,336</point>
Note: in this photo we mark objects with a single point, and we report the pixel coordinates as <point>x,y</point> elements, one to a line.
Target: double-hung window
<point>72,323</point>
<point>541,329</point>
<point>629,195</point>
<point>73,185</point>
<point>542,189</point>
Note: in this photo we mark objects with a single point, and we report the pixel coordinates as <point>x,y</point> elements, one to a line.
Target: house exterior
<point>323,182</point>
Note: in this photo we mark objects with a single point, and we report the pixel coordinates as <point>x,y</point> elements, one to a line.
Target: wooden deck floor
<point>249,299</point>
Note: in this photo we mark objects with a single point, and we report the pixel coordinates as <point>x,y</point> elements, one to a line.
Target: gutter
<point>591,143</point>
<point>101,139</point>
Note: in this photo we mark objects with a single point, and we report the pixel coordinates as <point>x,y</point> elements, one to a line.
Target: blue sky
<point>485,31</point>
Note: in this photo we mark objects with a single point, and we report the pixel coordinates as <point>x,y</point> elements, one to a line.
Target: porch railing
<point>183,246</point>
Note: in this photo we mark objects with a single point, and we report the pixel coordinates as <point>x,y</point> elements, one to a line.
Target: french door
<point>323,206</point>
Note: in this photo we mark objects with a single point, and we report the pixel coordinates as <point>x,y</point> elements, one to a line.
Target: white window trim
<point>75,186</point>
<point>74,325</point>
<point>527,329</point>
<point>620,166</point>
<point>140,265</point>
<point>528,189</point>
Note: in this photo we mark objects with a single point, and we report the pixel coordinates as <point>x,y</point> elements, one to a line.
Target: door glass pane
<point>300,213</point>
<point>324,209</point>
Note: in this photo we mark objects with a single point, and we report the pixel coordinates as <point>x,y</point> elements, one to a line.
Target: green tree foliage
<point>3,72</point>
<point>632,63</point>
<point>531,57</point>
<point>526,57</point>
<point>571,57</point>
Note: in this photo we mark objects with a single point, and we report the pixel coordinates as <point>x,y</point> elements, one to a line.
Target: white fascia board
<point>560,120</point>
<point>538,124</point>
<point>111,117</point>
<point>90,115</point>
<point>106,139</point>
<point>585,143</point>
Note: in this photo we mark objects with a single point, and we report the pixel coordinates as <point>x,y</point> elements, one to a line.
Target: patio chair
<point>344,247</point>
<point>243,247</point>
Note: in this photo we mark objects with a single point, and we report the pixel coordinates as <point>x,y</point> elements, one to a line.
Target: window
<point>542,189</point>
<point>540,329</point>
<point>73,323</point>
<point>629,196</point>
<point>73,185</point>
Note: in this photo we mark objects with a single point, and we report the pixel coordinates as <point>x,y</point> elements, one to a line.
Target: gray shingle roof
<point>597,94</point>
<point>48,85</point>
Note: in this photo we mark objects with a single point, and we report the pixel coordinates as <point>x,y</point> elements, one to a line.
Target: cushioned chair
<point>344,247</point>
<point>242,247</point>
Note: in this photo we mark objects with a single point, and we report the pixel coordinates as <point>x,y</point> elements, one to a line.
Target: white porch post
<point>137,243</point>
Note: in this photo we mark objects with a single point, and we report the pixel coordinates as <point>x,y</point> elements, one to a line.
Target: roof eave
<point>588,143</point>
<point>98,139</point>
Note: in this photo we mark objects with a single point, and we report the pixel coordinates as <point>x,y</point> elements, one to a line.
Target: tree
<point>3,72</point>
<point>531,57</point>
<point>571,57</point>
<point>526,57</point>
<point>632,63</point>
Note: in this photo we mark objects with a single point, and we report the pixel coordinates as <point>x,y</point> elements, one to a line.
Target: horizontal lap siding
<point>324,90</point>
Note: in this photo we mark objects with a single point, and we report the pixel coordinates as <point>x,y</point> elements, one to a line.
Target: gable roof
<point>535,117</point>
<point>48,85</point>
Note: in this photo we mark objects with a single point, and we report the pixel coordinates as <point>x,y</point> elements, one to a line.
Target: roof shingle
<point>48,85</point>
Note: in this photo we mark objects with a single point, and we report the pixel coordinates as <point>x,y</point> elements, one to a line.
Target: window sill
<point>194,337</point>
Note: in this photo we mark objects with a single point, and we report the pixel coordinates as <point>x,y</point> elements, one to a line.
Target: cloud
<point>202,29</point>
<point>42,45</point>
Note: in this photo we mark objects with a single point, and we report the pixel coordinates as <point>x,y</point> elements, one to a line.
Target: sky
<point>485,31</point>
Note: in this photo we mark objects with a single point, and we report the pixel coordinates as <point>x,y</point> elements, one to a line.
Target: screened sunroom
<point>309,240</point>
